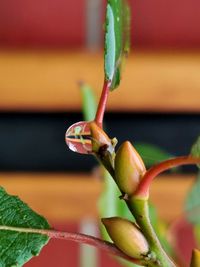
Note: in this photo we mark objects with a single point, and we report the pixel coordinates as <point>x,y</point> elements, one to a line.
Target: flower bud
<point>129,168</point>
<point>127,237</point>
<point>195,261</point>
<point>99,138</point>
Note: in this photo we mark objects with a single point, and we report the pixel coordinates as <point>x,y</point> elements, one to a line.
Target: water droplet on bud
<point>78,137</point>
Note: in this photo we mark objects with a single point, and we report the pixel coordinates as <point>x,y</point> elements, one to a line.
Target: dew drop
<point>78,137</point>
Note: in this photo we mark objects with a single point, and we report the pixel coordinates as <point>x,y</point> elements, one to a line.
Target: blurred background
<point>46,48</point>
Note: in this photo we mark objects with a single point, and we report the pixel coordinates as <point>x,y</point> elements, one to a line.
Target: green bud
<point>195,261</point>
<point>127,237</point>
<point>129,168</point>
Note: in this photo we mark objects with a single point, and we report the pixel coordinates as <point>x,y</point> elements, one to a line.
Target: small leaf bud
<point>129,168</point>
<point>100,138</point>
<point>127,237</point>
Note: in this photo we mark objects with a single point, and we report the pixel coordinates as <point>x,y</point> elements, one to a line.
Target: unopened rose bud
<point>195,261</point>
<point>127,237</point>
<point>129,168</point>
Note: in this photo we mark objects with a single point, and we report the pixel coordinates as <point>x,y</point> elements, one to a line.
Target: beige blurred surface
<point>62,197</point>
<point>160,81</point>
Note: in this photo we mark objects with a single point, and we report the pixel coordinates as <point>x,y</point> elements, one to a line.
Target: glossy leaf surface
<point>117,35</point>
<point>17,247</point>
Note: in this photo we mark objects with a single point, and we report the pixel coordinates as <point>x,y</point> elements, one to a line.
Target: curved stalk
<point>102,103</point>
<point>79,238</point>
<point>143,188</point>
<point>140,210</point>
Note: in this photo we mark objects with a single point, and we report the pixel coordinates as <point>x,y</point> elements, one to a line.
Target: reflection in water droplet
<point>78,137</point>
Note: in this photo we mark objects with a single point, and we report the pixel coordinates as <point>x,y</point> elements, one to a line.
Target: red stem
<point>80,238</point>
<point>76,237</point>
<point>90,240</point>
<point>143,188</point>
<point>102,103</point>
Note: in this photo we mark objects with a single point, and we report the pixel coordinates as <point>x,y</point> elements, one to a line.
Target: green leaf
<point>151,154</point>
<point>195,151</point>
<point>192,203</point>
<point>16,247</point>
<point>117,39</point>
<point>89,105</point>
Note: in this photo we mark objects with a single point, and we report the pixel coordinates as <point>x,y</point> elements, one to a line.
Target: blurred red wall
<point>53,23</point>
<point>61,23</point>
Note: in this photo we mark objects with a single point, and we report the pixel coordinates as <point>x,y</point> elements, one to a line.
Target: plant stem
<point>138,205</point>
<point>140,210</point>
<point>102,103</point>
<point>80,238</point>
<point>143,188</point>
